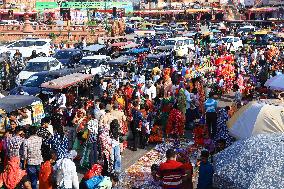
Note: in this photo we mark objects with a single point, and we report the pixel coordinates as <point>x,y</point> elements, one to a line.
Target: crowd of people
<point>131,111</point>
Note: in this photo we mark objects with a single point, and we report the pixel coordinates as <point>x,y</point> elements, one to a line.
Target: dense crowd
<point>131,111</point>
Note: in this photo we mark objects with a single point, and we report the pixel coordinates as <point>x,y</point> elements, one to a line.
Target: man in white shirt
<point>150,90</point>
<point>65,170</point>
<point>59,99</point>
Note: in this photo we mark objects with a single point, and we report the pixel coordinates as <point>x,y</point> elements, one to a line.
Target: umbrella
<point>256,118</point>
<point>276,82</point>
<point>254,163</point>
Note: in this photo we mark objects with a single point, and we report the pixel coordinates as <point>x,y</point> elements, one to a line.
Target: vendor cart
<point>14,103</point>
<point>74,86</point>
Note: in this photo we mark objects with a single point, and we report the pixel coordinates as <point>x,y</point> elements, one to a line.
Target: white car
<point>236,41</point>
<point>36,65</point>
<point>95,64</point>
<point>26,46</point>
<point>181,45</point>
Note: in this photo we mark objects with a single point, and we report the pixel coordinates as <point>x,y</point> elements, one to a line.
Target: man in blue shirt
<point>205,178</point>
<point>211,115</point>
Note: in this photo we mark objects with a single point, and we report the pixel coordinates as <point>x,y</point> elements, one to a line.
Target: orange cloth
<point>45,175</point>
<point>13,173</point>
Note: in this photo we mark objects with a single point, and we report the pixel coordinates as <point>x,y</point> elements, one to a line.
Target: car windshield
<point>63,55</point>
<point>36,66</point>
<point>90,62</point>
<point>37,80</point>
<point>22,44</point>
<point>169,42</point>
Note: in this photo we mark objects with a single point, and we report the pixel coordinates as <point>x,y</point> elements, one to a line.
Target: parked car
<point>69,57</point>
<point>36,65</point>
<point>33,83</point>
<point>26,46</point>
<point>96,64</point>
<point>180,45</point>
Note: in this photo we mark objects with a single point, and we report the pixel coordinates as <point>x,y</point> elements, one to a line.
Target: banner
<point>128,6</point>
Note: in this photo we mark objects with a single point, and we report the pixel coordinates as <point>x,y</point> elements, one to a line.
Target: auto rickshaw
<point>123,63</point>
<point>69,84</point>
<point>13,103</point>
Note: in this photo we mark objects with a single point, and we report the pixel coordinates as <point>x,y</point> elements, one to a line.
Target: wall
<point>63,33</point>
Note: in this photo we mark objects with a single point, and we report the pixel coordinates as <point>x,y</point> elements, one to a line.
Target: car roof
<point>248,26</point>
<point>95,57</point>
<point>42,59</point>
<point>70,49</point>
<point>60,72</point>
<point>35,39</point>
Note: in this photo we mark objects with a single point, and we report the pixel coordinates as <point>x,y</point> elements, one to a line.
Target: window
<point>91,62</point>
<point>53,63</point>
<point>40,43</point>
<point>188,41</point>
<point>170,42</point>
<point>63,55</point>
<point>179,43</point>
<point>236,39</point>
<point>36,66</point>
<point>22,44</point>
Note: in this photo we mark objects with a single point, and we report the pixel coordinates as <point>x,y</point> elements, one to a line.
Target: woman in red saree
<point>201,95</point>
<point>176,122</point>
<point>46,171</point>
<point>14,177</point>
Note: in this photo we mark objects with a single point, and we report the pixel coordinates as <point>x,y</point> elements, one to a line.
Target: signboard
<point>38,112</point>
<point>128,6</point>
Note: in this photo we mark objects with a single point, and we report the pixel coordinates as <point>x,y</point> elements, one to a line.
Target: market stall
<point>139,174</point>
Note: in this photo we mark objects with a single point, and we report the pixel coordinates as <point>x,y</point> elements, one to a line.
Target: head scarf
<point>13,173</point>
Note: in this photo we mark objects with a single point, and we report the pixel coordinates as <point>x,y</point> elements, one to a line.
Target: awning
<point>66,81</point>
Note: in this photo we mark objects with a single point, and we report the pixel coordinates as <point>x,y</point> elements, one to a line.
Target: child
<point>208,143</point>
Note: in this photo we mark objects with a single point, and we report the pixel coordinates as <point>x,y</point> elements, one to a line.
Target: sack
<point>93,182</point>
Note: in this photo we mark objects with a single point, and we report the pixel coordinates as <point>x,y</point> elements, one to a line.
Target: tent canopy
<point>13,102</point>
